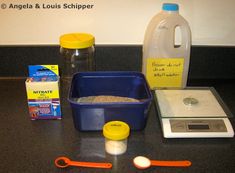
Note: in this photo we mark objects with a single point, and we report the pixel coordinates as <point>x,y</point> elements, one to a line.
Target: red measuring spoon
<point>142,162</point>
<point>63,162</point>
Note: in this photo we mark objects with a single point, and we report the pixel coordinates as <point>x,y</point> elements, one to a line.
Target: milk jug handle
<point>185,34</point>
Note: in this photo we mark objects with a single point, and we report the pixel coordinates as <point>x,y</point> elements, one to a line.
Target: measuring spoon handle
<point>90,164</point>
<point>184,163</point>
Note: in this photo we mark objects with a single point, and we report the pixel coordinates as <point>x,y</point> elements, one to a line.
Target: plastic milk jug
<point>165,63</point>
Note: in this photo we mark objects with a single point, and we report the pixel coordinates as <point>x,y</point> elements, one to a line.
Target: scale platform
<point>196,112</point>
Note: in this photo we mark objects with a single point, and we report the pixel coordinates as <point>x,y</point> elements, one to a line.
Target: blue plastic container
<point>92,116</point>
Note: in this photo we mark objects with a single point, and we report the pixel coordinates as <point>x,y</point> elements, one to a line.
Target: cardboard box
<point>42,87</point>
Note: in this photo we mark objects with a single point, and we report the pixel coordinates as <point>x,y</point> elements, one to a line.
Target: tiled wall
<point>207,62</point>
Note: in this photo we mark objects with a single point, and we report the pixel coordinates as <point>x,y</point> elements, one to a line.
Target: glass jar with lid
<point>77,50</point>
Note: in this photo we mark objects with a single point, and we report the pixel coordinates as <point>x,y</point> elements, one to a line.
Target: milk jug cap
<point>170,7</point>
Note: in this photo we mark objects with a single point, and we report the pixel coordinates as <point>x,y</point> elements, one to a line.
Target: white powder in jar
<point>116,147</point>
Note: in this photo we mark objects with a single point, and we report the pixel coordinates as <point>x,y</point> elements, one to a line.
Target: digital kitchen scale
<point>193,113</point>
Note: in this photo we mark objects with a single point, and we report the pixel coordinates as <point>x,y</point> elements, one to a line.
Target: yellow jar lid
<point>116,130</point>
<point>76,40</point>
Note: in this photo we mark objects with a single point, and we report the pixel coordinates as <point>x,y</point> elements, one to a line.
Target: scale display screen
<point>198,127</point>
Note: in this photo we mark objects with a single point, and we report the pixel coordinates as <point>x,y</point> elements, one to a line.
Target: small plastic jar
<point>77,50</point>
<point>116,134</point>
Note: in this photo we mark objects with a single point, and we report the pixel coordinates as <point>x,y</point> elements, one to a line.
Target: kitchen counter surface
<point>32,146</point>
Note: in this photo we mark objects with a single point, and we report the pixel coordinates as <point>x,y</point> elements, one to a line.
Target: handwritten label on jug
<point>164,72</point>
